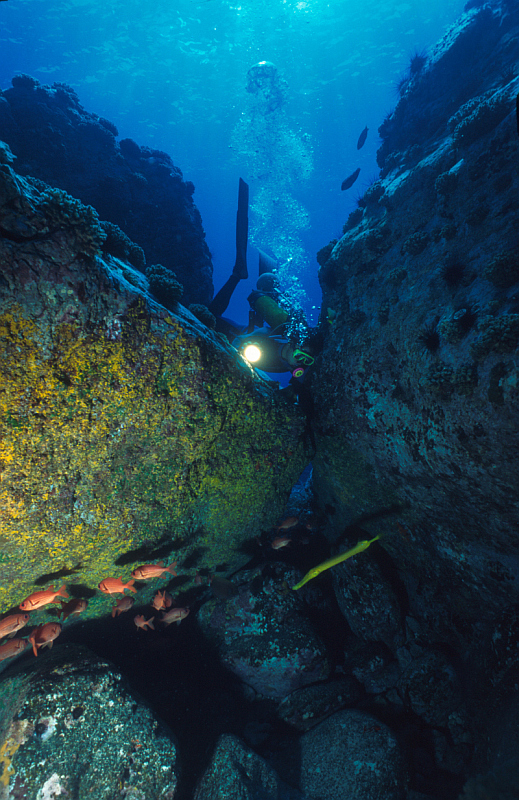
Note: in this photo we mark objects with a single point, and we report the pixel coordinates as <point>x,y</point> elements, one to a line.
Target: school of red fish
<point>44,635</point>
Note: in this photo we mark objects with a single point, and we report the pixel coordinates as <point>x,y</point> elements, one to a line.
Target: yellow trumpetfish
<point>331,562</point>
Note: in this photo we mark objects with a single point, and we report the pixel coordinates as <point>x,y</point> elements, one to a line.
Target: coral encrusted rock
<point>73,729</point>
<point>127,431</point>
<point>136,189</point>
<point>416,392</point>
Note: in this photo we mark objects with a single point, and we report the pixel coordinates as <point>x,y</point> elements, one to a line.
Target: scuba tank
<point>267,308</point>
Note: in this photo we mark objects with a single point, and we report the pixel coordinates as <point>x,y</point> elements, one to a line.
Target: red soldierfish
<point>152,571</point>
<point>116,586</point>
<point>12,648</point>
<point>174,615</point>
<point>44,635</point>
<point>40,599</point>
<point>75,606</point>
<point>141,622</point>
<point>123,604</point>
<point>280,541</point>
<point>162,600</point>
<point>9,625</point>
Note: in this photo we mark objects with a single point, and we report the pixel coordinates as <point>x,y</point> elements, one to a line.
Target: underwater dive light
<point>252,353</point>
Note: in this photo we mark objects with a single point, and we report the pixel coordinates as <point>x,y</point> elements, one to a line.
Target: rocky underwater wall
<point>127,429</point>
<point>139,189</point>
<point>417,388</point>
<point>131,432</point>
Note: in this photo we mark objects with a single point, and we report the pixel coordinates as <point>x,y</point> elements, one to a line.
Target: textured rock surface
<point>307,707</point>
<point>237,773</point>
<point>128,432</point>
<point>348,755</point>
<point>368,601</point>
<point>72,728</point>
<point>264,638</point>
<point>417,387</point>
<point>139,189</point>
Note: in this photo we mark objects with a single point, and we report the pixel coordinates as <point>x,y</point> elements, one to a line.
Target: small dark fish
<point>362,138</point>
<point>350,180</point>
<point>222,588</point>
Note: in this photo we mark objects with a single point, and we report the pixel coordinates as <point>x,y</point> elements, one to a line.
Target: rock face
<point>139,189</point>
<point>128,432</point>
<point>71,728</point>
<point>348,755</point>
<point>263,637</point>
<point>417,388</point>
<point>236,771</point>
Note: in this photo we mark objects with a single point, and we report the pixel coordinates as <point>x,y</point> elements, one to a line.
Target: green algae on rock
<point>122,425</point>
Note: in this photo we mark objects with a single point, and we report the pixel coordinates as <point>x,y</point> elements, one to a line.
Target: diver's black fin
<point>242,232</point>
<point>266,263</point>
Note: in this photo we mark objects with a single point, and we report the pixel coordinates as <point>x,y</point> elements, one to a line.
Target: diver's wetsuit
<point>219,304</point>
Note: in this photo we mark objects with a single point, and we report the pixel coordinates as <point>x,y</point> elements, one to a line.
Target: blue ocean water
<point>173,74</point>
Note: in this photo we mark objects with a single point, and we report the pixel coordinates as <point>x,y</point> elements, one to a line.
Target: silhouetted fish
<point>222,588</point>
<point>362,138</point>
<point>350,180</point>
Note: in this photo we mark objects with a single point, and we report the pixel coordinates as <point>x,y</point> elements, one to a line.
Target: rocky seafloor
<point>131,433</point>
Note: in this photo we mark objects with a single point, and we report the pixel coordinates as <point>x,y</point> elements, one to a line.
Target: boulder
<point>350,754</point>
<point>70,726</point>
<point>237,773</point>
<point>264,636</point>
<point>129,432</point>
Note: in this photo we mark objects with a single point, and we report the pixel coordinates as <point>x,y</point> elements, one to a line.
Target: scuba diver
<point>269,347</point>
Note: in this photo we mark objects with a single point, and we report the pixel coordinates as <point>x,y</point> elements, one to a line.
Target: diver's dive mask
<point>303,358</point>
